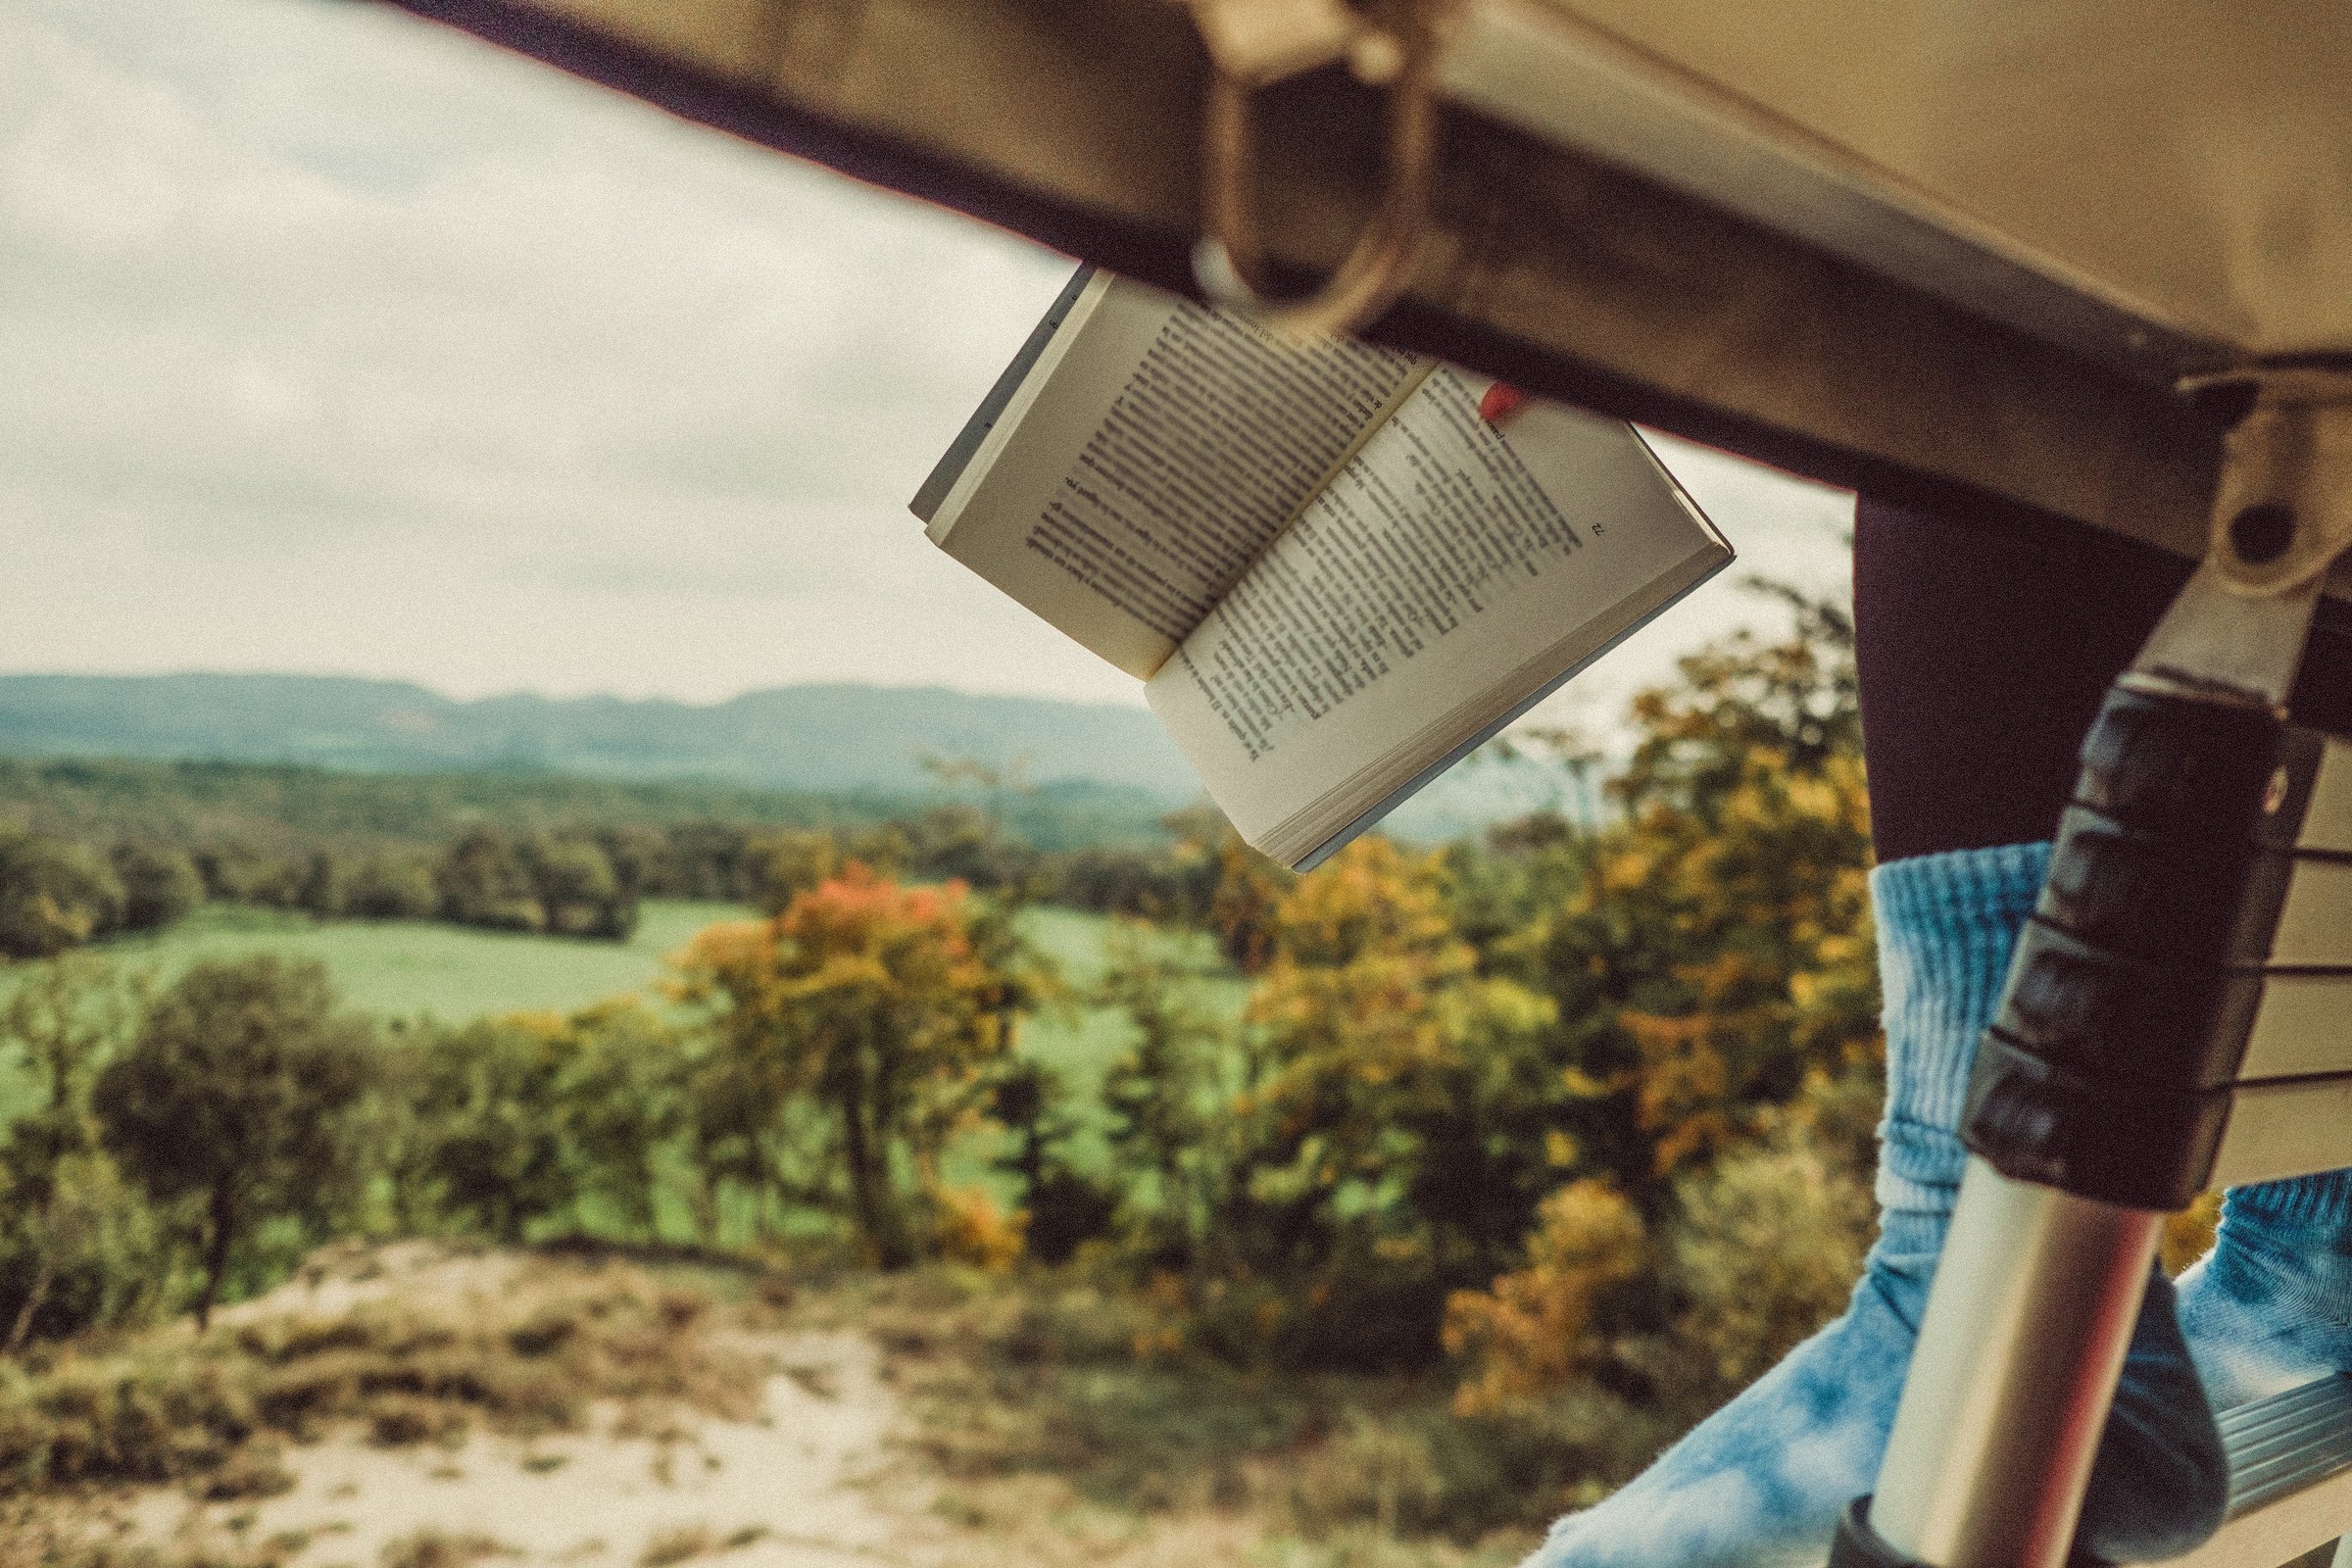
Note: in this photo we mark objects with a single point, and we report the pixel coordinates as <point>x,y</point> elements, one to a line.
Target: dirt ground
<point>809,1481</point>
<point>826,1467</point>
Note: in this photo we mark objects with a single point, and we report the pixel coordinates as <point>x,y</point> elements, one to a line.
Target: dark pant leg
<point>1983,656</point>
<point>1984,653</point>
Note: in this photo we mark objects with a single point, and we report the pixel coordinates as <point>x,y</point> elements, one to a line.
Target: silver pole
<point>2019,1352</point>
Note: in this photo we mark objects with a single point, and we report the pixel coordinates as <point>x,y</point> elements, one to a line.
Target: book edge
<point>1412,786</point>
<point>941,482</point>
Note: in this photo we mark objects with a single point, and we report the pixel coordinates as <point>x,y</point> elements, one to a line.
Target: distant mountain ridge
<point>811,738</point>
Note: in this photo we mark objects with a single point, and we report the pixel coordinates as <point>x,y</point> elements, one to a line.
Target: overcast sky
<point>331,342</point>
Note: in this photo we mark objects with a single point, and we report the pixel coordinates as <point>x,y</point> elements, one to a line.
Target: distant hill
<point>284,808</point>
<point>814,739</point>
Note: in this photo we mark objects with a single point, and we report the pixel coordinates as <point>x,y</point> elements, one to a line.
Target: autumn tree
<point>1392,1162</point>
<point>234,1096</point>
<point>1709,945</point>
<point>870,1003</point>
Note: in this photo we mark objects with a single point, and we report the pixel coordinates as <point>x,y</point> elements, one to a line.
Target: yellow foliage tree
<point>1540,1326</point>
<point>1387,1073</point>
<point>871,1003</point>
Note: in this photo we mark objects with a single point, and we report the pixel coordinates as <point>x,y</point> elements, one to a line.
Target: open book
<point>1337,569</point>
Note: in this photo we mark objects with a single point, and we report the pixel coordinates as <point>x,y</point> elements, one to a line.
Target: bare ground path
<point>809,1482</point>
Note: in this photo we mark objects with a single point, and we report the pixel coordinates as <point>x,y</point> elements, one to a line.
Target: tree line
<point>1584,1107</point>
<point>57,893</point>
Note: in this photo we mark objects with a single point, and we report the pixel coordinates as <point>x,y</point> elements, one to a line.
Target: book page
<point>1159,448</point>
<point>1448,573</point>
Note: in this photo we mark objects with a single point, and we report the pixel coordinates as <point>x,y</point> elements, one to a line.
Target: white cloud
<point>332,341</point>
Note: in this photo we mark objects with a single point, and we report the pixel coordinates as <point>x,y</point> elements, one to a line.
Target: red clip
<point>1502,400</point>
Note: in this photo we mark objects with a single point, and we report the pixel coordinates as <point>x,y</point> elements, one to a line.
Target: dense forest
<point>1576,1115</point>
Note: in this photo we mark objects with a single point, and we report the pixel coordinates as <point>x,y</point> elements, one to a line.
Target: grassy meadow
<point>407,969</point>
<point>404,968</point>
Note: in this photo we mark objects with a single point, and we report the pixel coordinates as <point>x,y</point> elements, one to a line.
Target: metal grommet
<point>1229,261</point>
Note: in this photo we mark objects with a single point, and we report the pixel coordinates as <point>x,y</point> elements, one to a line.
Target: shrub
<point>1539,1326</point>
<point>217,1408</point>
<point>235,1098</point>
<point>160,885</point>
<point>1765,1249</point>
<point>54,895</point>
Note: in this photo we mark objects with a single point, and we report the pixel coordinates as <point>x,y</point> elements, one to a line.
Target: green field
<point>1081,1042</point>
<point>404,968</point>
<point>452,973</point>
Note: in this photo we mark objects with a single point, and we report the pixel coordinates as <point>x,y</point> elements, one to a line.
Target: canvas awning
<point>1956,251</point>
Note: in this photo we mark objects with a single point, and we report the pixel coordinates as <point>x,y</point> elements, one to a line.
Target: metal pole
<point>2018,1352</point>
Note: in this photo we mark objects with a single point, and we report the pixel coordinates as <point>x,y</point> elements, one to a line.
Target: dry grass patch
<point>438,1549</point>
<point>1045,1405</point>
<point>213,1410</point>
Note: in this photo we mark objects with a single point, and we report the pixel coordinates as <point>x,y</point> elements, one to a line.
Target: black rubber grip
<point>2107,1071</point>
<point>2128,1144</point>
<point>2161,1022</point>
<point>2155,896</point>
<point>2178,766</point>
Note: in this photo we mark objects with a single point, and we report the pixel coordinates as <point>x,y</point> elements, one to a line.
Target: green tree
<point>234,1099</point>
<point>160,884</point>
<point>324,888</point>
<point>54,895</point>
<point>577,891</point>
<point>391,887</point>
<point>483,882</point>
<point>232,870</point>
<point>1061,1207</point>
<point>77,1248</point>
<point>626,1101</point>
<point>1170,1121</point>
<point>781,867</point>
<point>489,1143</point>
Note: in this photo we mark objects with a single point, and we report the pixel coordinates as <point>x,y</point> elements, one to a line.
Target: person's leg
<point>1983,658</point>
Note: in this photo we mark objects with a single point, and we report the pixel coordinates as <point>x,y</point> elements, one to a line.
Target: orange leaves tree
<point>868,1010</point>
